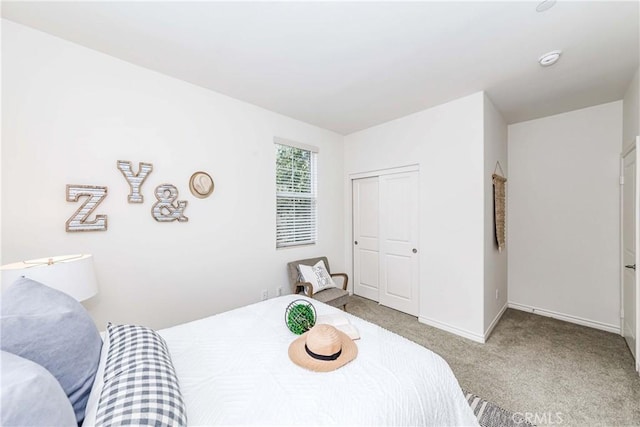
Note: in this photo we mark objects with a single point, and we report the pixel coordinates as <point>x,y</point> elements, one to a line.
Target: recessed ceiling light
<point>545,5</point>
<point>550,58</point>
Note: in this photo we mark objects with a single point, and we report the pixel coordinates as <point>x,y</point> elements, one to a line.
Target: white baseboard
<point>453,329</point>
<point>566,317</point>
<point>495,321</point>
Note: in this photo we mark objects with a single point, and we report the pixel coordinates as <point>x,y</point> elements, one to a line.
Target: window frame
<point>304,222</point>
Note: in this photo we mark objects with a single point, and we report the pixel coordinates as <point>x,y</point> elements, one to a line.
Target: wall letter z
<point>79,220</point>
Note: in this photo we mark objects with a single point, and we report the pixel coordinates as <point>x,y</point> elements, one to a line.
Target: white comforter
<point>233,368</point>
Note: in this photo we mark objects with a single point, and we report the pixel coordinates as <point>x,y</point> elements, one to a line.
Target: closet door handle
<point>355,243</point>
<point>633,267</point>
<point>414,250</point>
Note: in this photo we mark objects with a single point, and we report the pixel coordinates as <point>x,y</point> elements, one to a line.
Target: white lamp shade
<point>71,274</point>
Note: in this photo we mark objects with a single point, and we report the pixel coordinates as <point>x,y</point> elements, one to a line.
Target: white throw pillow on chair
<point>317,275</point>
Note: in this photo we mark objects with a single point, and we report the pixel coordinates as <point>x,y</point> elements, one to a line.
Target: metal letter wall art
<point>168,208</point>
<point>135,180</point>
<point>79,221</point>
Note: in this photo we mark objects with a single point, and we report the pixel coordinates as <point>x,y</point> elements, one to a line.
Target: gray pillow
<point>54,330</point>
<point>31,396</point>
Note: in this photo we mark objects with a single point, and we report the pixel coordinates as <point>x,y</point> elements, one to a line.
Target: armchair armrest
<point>344,276</point>
<point>305,285</point>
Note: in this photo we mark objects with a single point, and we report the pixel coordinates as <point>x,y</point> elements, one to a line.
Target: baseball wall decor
<point>201,184</point>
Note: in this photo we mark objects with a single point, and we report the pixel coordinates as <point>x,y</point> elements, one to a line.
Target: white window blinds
<point>295,196</point>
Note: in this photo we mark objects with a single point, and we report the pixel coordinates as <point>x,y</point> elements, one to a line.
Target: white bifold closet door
<point>385,246</point>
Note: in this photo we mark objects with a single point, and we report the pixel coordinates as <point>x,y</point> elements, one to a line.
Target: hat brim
<point>300,357</point>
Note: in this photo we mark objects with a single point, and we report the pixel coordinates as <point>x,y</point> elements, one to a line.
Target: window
<point>295,195</point>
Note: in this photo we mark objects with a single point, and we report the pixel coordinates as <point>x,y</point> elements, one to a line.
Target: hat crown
<point>324,340</point>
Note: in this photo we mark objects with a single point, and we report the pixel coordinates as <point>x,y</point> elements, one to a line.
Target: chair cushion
<point>335,297</point>
<point>294,272</point>
<point>317,275</point>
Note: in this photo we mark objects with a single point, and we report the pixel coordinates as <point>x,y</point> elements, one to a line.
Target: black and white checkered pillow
<point>140,383</point>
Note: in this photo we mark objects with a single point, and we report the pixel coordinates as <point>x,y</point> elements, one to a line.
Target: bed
<point>233,369</point>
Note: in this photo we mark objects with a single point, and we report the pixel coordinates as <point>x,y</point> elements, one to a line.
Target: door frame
<point>349,204</point>
<point>635,145</point>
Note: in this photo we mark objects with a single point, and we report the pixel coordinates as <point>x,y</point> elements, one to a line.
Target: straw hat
<point>322,349</point>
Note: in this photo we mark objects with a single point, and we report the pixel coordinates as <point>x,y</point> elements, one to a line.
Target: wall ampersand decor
<point>79,221</point>
<point>168,208</point>
<point>135,180</point>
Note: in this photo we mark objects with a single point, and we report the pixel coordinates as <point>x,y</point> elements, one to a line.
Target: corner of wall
<point>489,329</point>
<point>631,112</point>
<point>443,139</point>
<point>495,263</point>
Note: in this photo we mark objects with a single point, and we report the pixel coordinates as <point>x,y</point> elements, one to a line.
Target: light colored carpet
<point>564,374</point>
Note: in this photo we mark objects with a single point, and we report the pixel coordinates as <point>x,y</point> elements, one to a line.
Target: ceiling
<point>347,66</point>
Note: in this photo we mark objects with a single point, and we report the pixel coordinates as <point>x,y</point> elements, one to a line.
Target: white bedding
<point>233,368</point>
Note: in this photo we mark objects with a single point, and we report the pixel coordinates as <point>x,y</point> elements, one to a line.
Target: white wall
<point>563,215</point>
<point>495,263</point>
<point>447,143</point>
<point>631,113</point>
<point>74,112</point>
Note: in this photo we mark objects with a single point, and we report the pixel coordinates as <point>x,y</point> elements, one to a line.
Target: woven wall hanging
<point>499,211</point>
